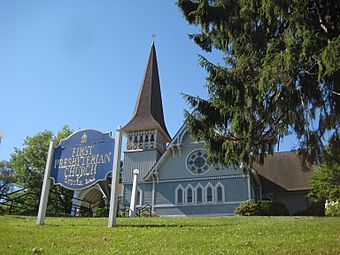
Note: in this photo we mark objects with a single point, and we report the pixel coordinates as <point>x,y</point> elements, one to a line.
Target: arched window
<point>189,195</point>
<point>209,193</point>
<point>199,194</point>
<point>219,193</point>
<point>146,138</point>
<point>179,195</point>
<point>152,138</point>
<point>139,197</point>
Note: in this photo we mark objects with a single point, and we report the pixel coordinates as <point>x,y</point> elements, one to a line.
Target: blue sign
<point>83,159</point>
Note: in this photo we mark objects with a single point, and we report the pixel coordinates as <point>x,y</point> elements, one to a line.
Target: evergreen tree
<point>280,76</point>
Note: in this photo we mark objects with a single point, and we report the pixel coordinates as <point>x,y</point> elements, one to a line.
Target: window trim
<point>186,162</point>
<point>219,184</point>
<point>209,185</point>
<point>196,194</point>
<point>192,195</point>
<point>140,196</point>
<point>180,187</point>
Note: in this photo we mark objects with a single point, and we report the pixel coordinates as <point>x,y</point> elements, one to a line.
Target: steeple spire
<point>148,113</point>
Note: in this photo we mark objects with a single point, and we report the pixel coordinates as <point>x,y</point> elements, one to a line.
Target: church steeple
<point>147,122</point>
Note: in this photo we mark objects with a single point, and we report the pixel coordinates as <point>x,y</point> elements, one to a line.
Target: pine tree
<point>280,76</point>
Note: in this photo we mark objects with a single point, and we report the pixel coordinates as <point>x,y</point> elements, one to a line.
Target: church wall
<point>142,160</point>
<point>295,201</point>
<point>145,188</point>
<point>174,167</point>
<point>235,190</point>
<point>203,210</point>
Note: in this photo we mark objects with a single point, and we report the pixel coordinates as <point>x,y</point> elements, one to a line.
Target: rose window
<point>197,162</point>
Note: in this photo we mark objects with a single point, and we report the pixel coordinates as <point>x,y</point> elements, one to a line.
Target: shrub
<point>314,209</point>
<point>269,208</point>
<point>333,209</point>
<point>3,209</point>
<point>248,208</point>
<point>261,208</point>
<point>101,212</point>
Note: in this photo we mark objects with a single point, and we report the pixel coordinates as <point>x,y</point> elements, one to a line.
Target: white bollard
<point>132,212</point>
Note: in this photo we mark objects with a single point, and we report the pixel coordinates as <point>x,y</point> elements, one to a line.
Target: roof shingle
<point>148,113</point>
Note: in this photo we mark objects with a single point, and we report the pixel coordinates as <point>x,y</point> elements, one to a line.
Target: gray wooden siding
<point>146,191</point>
<point>295,201</point>
<point>142,160</point>
<point>235,191</point>
<point>174,167</point>
<point>203,210</point>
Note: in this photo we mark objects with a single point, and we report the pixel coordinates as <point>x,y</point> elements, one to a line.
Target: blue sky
<point>81,63</point>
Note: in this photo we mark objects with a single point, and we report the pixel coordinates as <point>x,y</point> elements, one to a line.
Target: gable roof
<point>176,141</point>
<point>282,172</point>
<point>148,113</point>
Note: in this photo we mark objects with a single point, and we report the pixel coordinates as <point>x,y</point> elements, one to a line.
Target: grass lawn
<point>196,235</point>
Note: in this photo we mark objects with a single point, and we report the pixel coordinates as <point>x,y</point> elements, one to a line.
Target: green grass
<point>197,235</point>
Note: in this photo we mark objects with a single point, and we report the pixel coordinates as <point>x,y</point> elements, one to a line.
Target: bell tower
<point>146,132</point>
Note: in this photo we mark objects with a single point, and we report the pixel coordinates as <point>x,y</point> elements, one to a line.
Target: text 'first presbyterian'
<point>82,162</point>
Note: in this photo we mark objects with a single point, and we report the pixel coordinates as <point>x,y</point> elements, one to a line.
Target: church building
<point>175,178</point>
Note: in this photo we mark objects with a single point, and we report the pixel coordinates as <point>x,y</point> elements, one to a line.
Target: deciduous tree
<point>6,178</point>
<point>29,164</point>
<point>326,180</point>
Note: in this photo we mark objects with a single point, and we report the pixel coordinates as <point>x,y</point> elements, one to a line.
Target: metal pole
<point>46,185</point>
<point>115,179</point>
<point>132,212</point>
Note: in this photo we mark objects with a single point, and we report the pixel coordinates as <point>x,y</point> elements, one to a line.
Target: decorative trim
<point>196,179</point>
<point>179,150</point>
<point>197,205</point>
<point>173,151</point>
<point>182,132</point>
<point>191,154</point>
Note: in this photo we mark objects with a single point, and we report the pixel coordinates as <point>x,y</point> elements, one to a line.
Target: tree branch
<point>336,93</point>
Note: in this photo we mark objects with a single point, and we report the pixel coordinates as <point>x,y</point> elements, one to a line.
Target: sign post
<point>115,179</point>
<point>46,185</point>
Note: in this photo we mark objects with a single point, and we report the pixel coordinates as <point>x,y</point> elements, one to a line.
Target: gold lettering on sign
<point>82,163</point>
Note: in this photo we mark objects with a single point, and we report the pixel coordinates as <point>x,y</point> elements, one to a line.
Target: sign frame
<point>115,170</point>
<point>81,160</point>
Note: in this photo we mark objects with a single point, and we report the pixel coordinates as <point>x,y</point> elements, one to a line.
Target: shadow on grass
<point>170,225</point>
<point>173,225</point>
